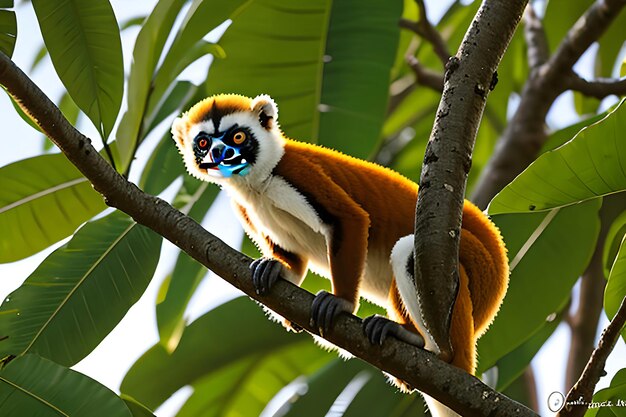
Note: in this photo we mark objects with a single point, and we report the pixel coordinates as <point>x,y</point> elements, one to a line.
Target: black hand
<point>377,328</point>
<point>265,272</point>
<point>325,308</point>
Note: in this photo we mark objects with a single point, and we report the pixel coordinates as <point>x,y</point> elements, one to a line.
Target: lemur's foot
<point>265,273</point>
<point>378,328</point>
<point>325,308</point>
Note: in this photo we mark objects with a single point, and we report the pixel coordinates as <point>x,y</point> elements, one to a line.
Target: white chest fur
<point>283,214</point>
<point>280,212</point>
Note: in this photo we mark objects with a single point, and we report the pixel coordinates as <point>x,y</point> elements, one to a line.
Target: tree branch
<point>470,75</point>
<point>525,134</point>
<point>536,40</point>
<point>453,387</point>
<point>582,393</point>
<point>427,31</point>
<point>600,88</point>
<point>584,322</point>
<point>425,76</point>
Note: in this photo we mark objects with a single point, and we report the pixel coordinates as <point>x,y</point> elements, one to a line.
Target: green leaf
<point>81,291</point>
<point>610,45</point>
<point>615,393</point>
<point>559,18</point>
<point>42,200</point>
<point>148,47</point>
<point>163,167</point>
<point>208,348</point>
<point>33,386</point>
<point>590,165</point>
<point>136,408</point>
<point>181,93</point>
<point>614,237</point>
<point>187,273</point>
<point>615,290</point>
<point>245,388</point>
<point>21,112</point>
<point>132,22</point>
<point>512,366</point>
<point>309,68</point>
<point>42,52</point>
<point>547,253</point>
<point>84,44</point>
<point>8,30</point>
<point>356,387</point>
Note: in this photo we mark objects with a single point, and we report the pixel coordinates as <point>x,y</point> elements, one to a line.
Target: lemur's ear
<point>179,130</point>
<point>266,109</point>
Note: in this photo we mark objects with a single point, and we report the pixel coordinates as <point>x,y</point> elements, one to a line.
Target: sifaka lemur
<point>349,220</point>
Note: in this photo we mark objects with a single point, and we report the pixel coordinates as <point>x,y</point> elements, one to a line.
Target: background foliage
<point>330,66</point>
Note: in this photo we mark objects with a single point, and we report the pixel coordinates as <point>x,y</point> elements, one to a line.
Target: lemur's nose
<point>217,151</point>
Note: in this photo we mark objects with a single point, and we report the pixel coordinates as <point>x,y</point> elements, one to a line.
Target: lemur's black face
<point>227,153</point>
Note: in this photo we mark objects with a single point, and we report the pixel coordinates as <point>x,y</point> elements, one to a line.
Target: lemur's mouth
<point>237,160</point>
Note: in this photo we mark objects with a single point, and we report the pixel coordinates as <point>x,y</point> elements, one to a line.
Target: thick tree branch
<point>582,392</point>
<point>470,75</point>
<point>525,134</point>
<point>600,88</point>
<point>459,390</point>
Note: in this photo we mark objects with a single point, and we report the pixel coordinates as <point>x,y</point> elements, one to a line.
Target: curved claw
<point>325,308</point>
<point>378,328</point>
<point>265,272</point>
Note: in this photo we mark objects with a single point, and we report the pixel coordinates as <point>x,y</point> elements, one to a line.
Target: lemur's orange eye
<point>239,138</point>
<point>203,143</point>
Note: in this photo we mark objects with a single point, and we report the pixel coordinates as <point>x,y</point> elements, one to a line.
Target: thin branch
<point>470,75</point>
<point>427,31</point>
<point>582,392</point>
<point>599,88</point>
<point>584,322</point>
<point>425,76</point>
<point>536,40</point>
<point>449,385</point>
<point>525,134</point>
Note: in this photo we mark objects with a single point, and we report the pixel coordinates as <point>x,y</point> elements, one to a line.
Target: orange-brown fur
<point>363,194</point>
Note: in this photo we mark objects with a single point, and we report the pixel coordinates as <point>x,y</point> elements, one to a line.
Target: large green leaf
<point>615,290</point>
<point>246,387</point>
<point>547,252</point>
<point>512,366</point>
<point>8,29</point>
<point>559,18</point>
<point>148,48</point>
<point>83,40</point>
<point>42,200</point>
<point>188,273</point>
<point>326,63</point>
<point>353,388</point>
<point>81,291</point>
<point>613,242</point>
<point>33,386</point>
<point>232,334</point>
<point>592,164</point>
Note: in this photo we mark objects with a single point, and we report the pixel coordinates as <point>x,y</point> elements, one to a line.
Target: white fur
<point>399,258</point>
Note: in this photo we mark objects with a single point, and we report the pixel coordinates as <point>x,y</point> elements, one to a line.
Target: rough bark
<point>470,75</point>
